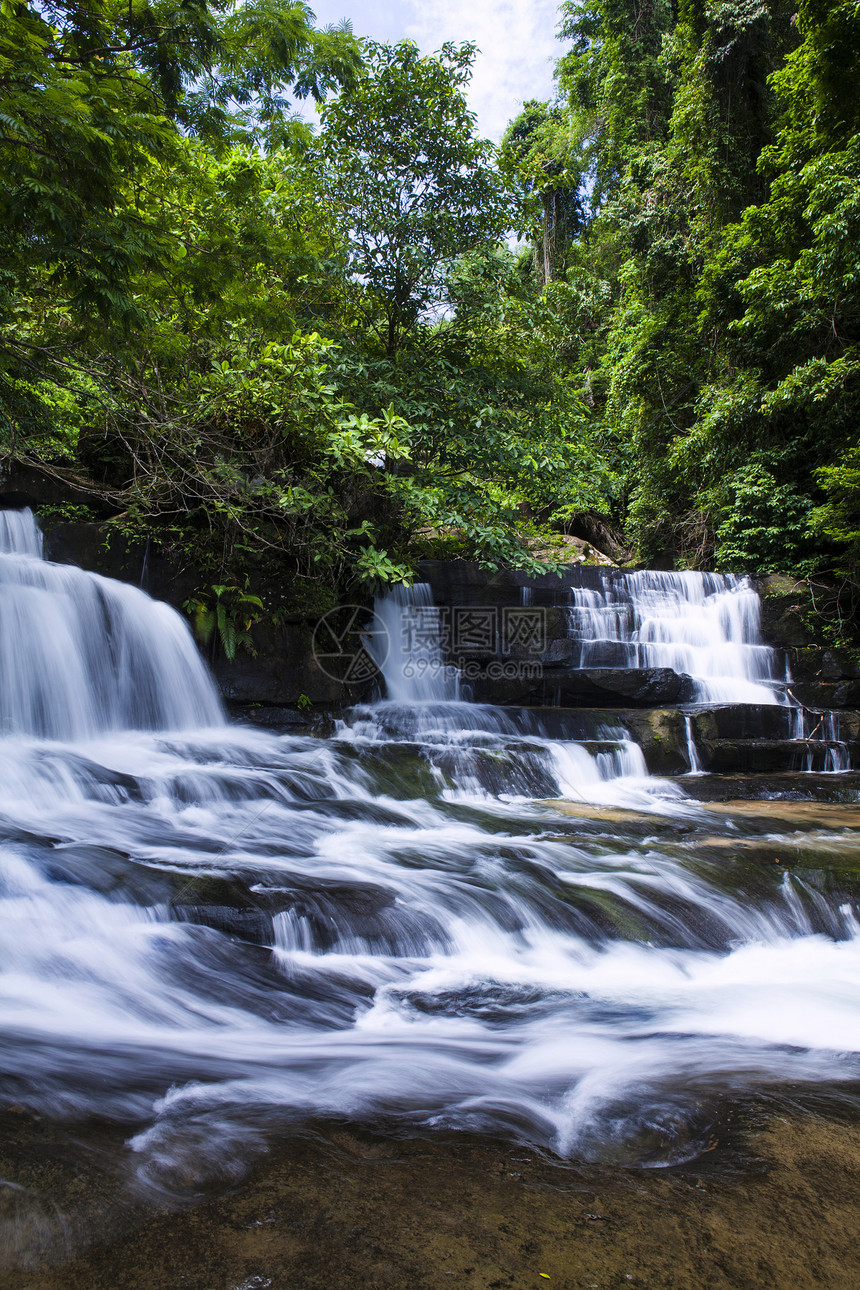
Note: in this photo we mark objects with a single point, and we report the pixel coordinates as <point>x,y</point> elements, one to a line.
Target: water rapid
<point>442,915</point>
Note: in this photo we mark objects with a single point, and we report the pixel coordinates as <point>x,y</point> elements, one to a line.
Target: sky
<point>516,39</point>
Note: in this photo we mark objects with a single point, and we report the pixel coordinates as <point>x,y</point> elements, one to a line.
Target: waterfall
<point>81,654</point>
<point>692,753</point>
<point>414,668</point>
<point>442,915</point>
<point>20,534</point>
<point>703,624</point>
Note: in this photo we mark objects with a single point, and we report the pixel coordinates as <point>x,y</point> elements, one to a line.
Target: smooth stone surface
<point>757,756</point>
<point>774,1203</point>
<point>590,687</point>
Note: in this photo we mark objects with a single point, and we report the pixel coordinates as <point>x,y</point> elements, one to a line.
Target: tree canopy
<point>410,182</point>
<point>316,349</point>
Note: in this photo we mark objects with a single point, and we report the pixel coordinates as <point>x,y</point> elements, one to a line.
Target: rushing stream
<point>438,916</point>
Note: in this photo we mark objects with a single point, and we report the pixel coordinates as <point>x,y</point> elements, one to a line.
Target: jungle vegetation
<point>319,348</point>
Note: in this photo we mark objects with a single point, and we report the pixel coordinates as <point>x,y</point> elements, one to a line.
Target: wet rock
<point>742,721</point>
<point>282,670</point>
<point>251,925</point>
<point>761,756</point>
<point>589,687</point>
<point>106,870</point>
<point>635,687</point>
<point>662,736</point>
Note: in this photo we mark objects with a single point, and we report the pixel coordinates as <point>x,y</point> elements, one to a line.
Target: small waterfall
<point>479,752</point>
<point>81,654</point>
<point>415,669</point>
<point>692,752</point>
<point>20,534</point>
<point>824,749</point>
<point>703,624</point>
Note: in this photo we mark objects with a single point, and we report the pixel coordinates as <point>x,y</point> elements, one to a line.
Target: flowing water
<point>442,915</point>
<point>703,624</point>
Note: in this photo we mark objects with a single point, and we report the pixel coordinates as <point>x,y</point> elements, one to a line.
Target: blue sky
<point>516,39</point>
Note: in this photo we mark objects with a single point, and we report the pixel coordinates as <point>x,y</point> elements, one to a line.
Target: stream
<point>438,916</point>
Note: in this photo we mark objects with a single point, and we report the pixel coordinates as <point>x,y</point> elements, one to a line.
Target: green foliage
<point>535,149</point>
<point>91,95</point>
<point>723,146</point>
<point>311,358</point>
<point>838,517</point>
<point>226,616</point>
<point>764,525</point>
<point>615,82</point>
<point>409,182</point>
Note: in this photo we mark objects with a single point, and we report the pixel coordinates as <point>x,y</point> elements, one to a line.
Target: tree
<point>535,151</point>
<point>94,93</point>
<point>615,82</point>
<point>412,185</point>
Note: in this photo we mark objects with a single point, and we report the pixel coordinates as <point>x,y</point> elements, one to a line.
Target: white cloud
<point>518,50</point>
<point>516,39</point>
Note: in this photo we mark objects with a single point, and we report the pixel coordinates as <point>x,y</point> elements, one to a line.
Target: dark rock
<point>588,687</point>
<point>600,532</point>
<point>464,582</point>
<point>785,605</point>
<point>252,925</point>
<point>661,734</point>
<point>559,651</point>
<point>742,721</point>
<point>106,870</point>
<point>634,687</point>
<point>791,786</point>
<point>760,756</point>
<point>827,694</point>
<point>278,674</point>
<point>283,669</point>
<point>310,721</point>
<point>827,665</point>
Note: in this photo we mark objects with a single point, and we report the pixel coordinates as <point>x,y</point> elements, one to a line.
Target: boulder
<point>739,721</point>
<point>646,687</point>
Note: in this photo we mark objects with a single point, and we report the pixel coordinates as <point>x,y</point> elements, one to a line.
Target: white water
<point>211,935</point>
<point>703,624</point>
<point>414,667</point>
<point>695,766</point>
<point>81,654</point>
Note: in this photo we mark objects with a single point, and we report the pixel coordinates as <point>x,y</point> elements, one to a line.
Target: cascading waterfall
<point>428,919</point>
<point>703,624</point>
<point>81,654</point>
